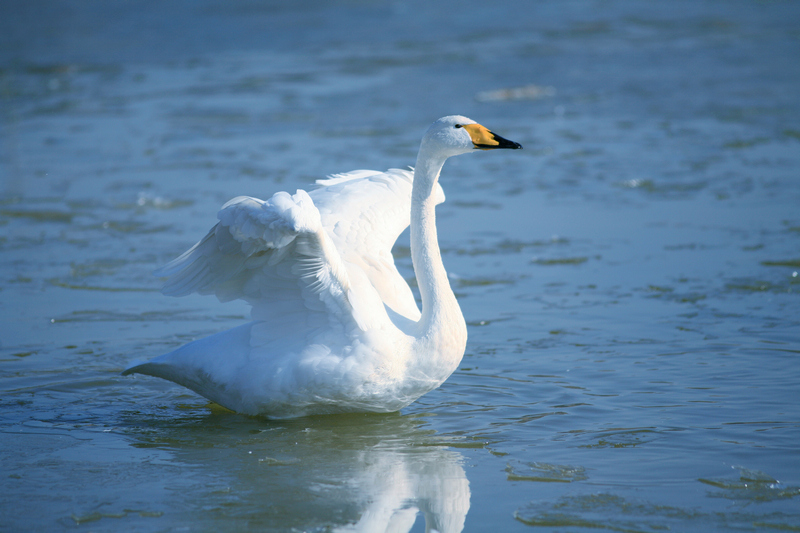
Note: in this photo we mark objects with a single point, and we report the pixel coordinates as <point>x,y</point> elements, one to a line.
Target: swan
<point>335,328</point>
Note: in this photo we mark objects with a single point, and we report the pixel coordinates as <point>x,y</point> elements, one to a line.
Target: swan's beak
<point>483,139</point>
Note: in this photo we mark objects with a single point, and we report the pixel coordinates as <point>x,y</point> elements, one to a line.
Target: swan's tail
<point>206,366</point>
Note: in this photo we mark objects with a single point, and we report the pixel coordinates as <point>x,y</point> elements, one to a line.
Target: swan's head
<point>456,135</point>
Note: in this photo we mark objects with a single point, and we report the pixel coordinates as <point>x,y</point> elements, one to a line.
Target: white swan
<point>335,326</point>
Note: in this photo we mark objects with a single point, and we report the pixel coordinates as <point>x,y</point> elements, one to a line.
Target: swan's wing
<point>275,255</point>
<point>335,179</point>
<point>364,212</point>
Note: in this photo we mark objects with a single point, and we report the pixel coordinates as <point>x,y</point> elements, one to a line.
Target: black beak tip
<point>505,143</point>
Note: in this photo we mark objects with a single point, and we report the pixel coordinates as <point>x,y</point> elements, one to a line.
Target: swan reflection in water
<point>397,487</point>
<point>344,473</point>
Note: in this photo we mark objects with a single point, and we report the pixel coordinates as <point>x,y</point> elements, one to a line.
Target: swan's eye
<point>458,126</point>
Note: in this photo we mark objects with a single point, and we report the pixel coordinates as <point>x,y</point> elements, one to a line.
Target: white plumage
<point>335,326</point>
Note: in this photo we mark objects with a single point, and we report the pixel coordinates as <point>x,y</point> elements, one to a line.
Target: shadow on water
<point>336,473</point>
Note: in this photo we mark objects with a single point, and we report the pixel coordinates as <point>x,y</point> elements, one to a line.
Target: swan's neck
<point>442,322</point>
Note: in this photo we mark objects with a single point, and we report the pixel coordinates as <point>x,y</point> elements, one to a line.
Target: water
<point>630,279</point>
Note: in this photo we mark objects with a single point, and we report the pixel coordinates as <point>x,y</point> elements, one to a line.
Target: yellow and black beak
<point>483,139</point>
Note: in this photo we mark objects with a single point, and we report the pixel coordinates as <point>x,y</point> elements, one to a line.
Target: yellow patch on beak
<point>483,139</point>
<point>481,136</point>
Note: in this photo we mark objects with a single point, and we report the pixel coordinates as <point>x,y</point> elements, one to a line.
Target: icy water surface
<point>630,278</point>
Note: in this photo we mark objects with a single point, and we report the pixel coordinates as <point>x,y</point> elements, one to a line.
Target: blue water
<point>631,279</point>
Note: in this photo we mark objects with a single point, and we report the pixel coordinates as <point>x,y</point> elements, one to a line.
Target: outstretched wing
<point>293,257</point>
<point>275,255</point>
<point>364,212</point>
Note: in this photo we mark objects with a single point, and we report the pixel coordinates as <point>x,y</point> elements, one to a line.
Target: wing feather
<point>296,255</point>
<point>365,212</point>
<point>274,252</point>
